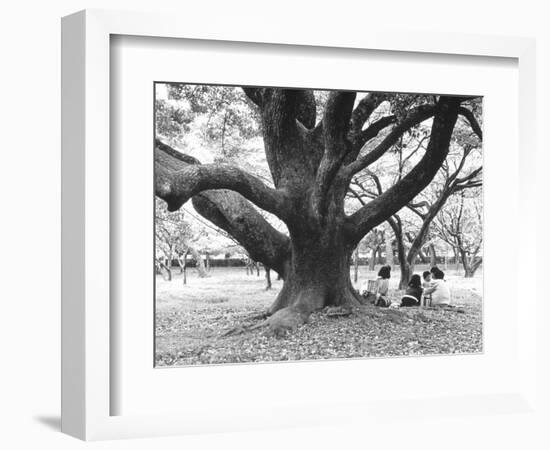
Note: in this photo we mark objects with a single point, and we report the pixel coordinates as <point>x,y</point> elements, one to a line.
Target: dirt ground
<point>190,321</point>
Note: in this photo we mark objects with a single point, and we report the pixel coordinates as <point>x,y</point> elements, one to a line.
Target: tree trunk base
<point>286,320</point>
<point>289,318</point>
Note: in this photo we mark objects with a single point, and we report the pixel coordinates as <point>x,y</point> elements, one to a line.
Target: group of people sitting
<point>433,291</point>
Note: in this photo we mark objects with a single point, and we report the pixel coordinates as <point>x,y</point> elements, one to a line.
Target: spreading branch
<point>469,116</point>
<point>336,120</point>
<point>232,213</point>
<point>363,111</point>
<point>176,188</point>
<point>391,201</point>
<point>373,130</point>
<point>413,118</point>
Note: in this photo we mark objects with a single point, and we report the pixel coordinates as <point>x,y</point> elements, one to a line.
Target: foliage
<point>219,117</point>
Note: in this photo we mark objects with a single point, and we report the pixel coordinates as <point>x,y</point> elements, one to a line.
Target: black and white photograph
<point>302,224</point>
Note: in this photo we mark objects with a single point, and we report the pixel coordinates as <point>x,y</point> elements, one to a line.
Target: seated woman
<point>440,292</point>
<point>413,294</point>
<point>383,286</point>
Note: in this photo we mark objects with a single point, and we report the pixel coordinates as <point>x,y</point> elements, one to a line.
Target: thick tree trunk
<point>318,275</point>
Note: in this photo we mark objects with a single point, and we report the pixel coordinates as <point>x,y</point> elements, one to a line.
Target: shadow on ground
<point>51,422</point>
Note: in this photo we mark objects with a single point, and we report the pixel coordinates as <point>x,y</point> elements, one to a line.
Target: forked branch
<point>176,188</point>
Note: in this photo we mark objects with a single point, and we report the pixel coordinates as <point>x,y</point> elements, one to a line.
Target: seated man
<point>440,292</point>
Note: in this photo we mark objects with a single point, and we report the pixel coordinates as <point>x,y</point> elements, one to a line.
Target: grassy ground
<point>191,318</point>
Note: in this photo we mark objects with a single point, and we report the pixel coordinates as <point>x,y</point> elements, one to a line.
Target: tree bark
<point>318,276</point>
<point>182,261</point>
<point>185,271</point>
<point>356,264</point>
<point>207,262</point>
<point>167,269</point>
<point>267,278</point>
<point>199,261</point>
<point>406,269</point>
<point>372,261</point>
<point>433,255</point>
<point>389,249</point>
<point>470,264</point>
<point>476,264</point>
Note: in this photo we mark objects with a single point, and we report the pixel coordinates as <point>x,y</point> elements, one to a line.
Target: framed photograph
<point>254,217</point>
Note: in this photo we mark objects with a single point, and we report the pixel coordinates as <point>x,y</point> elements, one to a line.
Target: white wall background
<point>30,186</point>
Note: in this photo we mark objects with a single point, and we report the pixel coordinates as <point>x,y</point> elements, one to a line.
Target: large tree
<point>312,164</point>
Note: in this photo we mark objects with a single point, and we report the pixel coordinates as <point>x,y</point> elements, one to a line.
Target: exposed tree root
<point>288,319</point>
<point>279,323</point>
<point>339,311</point>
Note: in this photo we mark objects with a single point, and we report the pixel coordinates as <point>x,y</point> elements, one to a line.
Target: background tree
<point>373,242</point>
<point>461,170</point>
<point>175,239</point>
<point>460,224</point>
<point>311,164</point>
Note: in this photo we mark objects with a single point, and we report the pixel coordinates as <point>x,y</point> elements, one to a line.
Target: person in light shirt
<point>439,290</point>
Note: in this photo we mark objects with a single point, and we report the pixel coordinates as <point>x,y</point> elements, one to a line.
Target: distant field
<point>190,319</point>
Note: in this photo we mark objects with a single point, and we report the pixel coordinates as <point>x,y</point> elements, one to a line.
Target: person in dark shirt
<point>413,294</point>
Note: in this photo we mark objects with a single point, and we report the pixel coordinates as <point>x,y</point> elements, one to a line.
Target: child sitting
<point>413,294</point>
<point>426,285</point>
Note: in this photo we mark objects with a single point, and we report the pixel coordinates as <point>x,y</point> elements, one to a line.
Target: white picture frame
<point>86,290</point>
